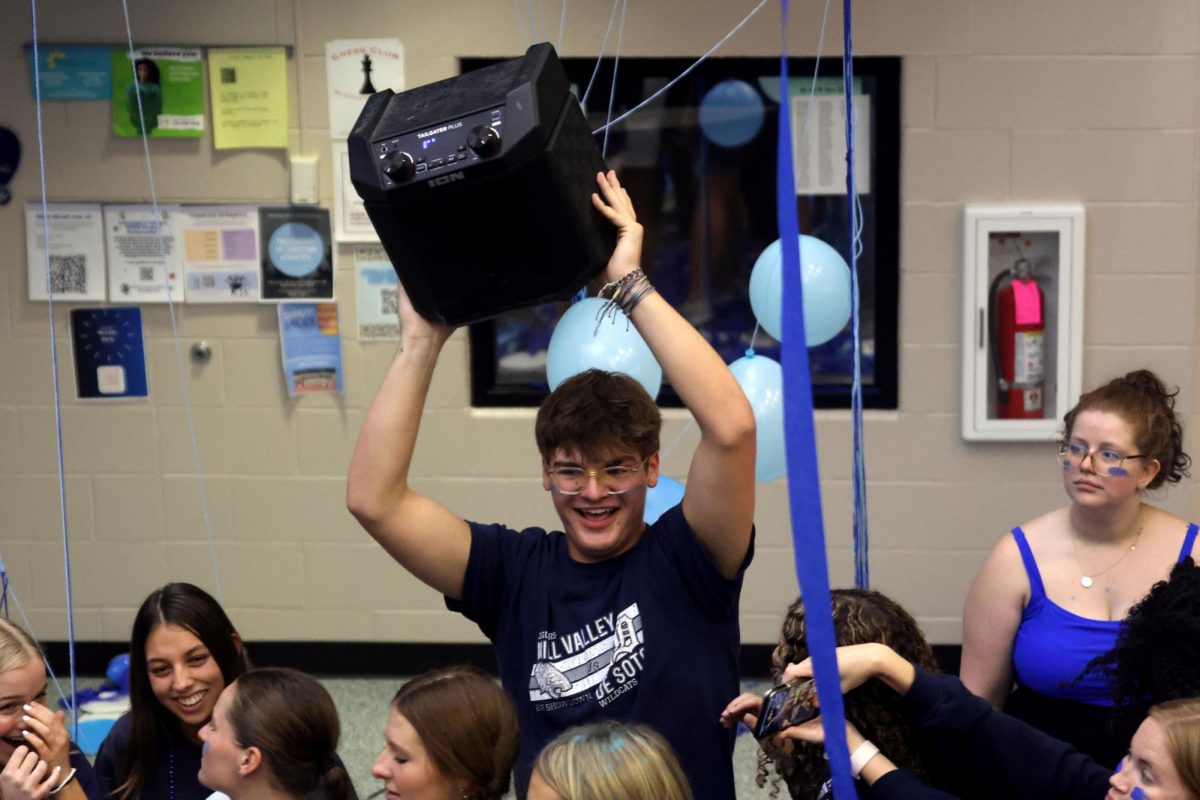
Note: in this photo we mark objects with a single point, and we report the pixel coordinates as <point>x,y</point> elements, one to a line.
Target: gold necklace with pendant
<point>1087,581</point>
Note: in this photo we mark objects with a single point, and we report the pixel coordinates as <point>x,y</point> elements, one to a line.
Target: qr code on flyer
<point>68,274</point>
<point>388,302</point>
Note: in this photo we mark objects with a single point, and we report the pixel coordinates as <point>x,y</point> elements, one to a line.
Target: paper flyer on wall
<point>170,84</point>
<point>375,295</point>
<point>819,148</point>
<point>297,253</point>
<point>350,220</point>
<point>110,354</point>
<point>76,259</point>
<point>311,345</point>
<point>144,261</point>
<point>249,97</point>
<point>354,70</point>
<point>72,71</point>
<point>220,253</point>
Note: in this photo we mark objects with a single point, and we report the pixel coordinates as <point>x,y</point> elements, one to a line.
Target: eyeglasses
<point>614,480</point>
<point>1073,452</point>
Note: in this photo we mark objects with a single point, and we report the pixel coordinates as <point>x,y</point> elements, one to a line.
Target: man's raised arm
<point>425,537</point>
<point>719,500</point>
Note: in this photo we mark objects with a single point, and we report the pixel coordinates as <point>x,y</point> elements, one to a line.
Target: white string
<point>681,75</point>
<point>521,23</point>
<point>183,384</point>
<point>612,92</point>
<point>562,26</point>
<point>604,43</point>
<point>62,483</point>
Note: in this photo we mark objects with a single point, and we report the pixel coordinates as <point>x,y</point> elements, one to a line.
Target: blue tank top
<point>1053,646</point>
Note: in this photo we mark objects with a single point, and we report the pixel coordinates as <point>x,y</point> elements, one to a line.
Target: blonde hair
<point>17,647</point>
<point>612,761</point>
<point>1180,721</point>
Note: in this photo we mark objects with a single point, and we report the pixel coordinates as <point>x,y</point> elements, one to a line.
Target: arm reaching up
<point>719,500</point>
<point>426,538</point>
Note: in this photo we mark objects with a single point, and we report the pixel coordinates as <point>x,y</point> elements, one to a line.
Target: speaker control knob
<point>399,166</point>
<point>484,140</point>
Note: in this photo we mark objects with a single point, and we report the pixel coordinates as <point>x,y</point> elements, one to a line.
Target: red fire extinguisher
<point>1017,310</point>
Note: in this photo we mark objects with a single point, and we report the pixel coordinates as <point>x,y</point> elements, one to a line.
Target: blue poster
<point>311,343</point>
<point>110,359</point>
<point>72,71</point>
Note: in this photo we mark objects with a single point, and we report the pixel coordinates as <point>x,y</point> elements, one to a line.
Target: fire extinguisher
<point>1016,307</point>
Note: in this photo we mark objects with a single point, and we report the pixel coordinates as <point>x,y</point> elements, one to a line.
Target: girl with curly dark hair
<point>859,617</point>
<point>1052,594</point>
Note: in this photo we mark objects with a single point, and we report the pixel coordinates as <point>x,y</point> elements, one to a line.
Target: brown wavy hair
<point>595,411</point>
<point>1144,402</point>
<point>467,725</point>
<point>859,617</point>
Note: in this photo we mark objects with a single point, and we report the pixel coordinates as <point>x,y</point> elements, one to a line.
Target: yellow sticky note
<point>249,97</point>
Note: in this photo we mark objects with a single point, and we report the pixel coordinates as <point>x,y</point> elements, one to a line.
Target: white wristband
<point>70,777</point>
<point>862,754</point>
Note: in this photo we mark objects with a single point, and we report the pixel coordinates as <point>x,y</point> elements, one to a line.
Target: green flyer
<point>159,90</point>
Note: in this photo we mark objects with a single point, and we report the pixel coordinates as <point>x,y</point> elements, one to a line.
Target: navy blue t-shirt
<point>650,636</point>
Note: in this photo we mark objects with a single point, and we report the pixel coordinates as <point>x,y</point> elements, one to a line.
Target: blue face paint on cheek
<point>1118,472</point>
<point>204,748</point>
<point>1137,794</point>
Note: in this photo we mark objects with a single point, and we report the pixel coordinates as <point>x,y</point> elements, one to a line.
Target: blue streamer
<point>804,488</point>
<point>862,569</point>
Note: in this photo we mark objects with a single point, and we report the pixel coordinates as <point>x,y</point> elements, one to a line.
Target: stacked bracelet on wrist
<point>627,292</point>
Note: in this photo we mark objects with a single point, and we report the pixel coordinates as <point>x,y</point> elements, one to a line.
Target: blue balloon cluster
<point>761,378</point>
<point>731,113</point>
<point>668,493</point>
<point>825,280</point>
<point>583,340</point>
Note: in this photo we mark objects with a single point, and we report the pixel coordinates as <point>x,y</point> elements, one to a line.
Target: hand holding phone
<point>786,705</point>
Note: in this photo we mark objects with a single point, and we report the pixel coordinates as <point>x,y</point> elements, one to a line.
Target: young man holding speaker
<point>597,620</point>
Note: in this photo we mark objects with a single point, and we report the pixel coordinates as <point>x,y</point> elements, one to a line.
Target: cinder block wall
<point>1003,100</point>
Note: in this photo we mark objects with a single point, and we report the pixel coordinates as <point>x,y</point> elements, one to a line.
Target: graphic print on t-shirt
<point>600,661</point>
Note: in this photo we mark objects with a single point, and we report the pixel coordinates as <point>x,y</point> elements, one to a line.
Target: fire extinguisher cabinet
<point>1023,320</point>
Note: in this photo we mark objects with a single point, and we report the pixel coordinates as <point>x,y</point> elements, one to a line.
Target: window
<point>707,202</point>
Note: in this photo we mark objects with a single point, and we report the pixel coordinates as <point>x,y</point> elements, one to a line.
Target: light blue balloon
<point>731,113</point>
<point>825,279</point>
<point>761,378</point>
<point>667,494</point>
<point>579,343</point>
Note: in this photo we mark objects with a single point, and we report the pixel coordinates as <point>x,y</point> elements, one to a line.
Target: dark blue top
<point>996,754</point>
<point>83,772</point>
<point>649,636</point>
<point>1053,646</point>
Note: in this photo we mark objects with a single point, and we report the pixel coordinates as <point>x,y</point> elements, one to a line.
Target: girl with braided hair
<point>859,617</point>
<point>1052,594</point>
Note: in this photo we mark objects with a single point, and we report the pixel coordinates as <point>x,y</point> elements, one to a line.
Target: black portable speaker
<point>480,186</point>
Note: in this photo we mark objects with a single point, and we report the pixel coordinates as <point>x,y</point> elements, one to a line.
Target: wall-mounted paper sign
<point>297,253</point>
<point>110,357</point>
<point>376,295</point>
<point>311,344</point>
<point>220,253</point>
<point>144,261</point>
<point>159,90</point>
<point>71,71</point>
<point>249,97</point>
<point>76,257</point>
<point>354,70</point>
<point>350,220</point>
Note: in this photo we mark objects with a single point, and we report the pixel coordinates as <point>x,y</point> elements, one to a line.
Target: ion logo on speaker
<point>442,180</point>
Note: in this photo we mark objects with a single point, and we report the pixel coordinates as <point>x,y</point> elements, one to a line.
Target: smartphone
<point>786,705</point>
